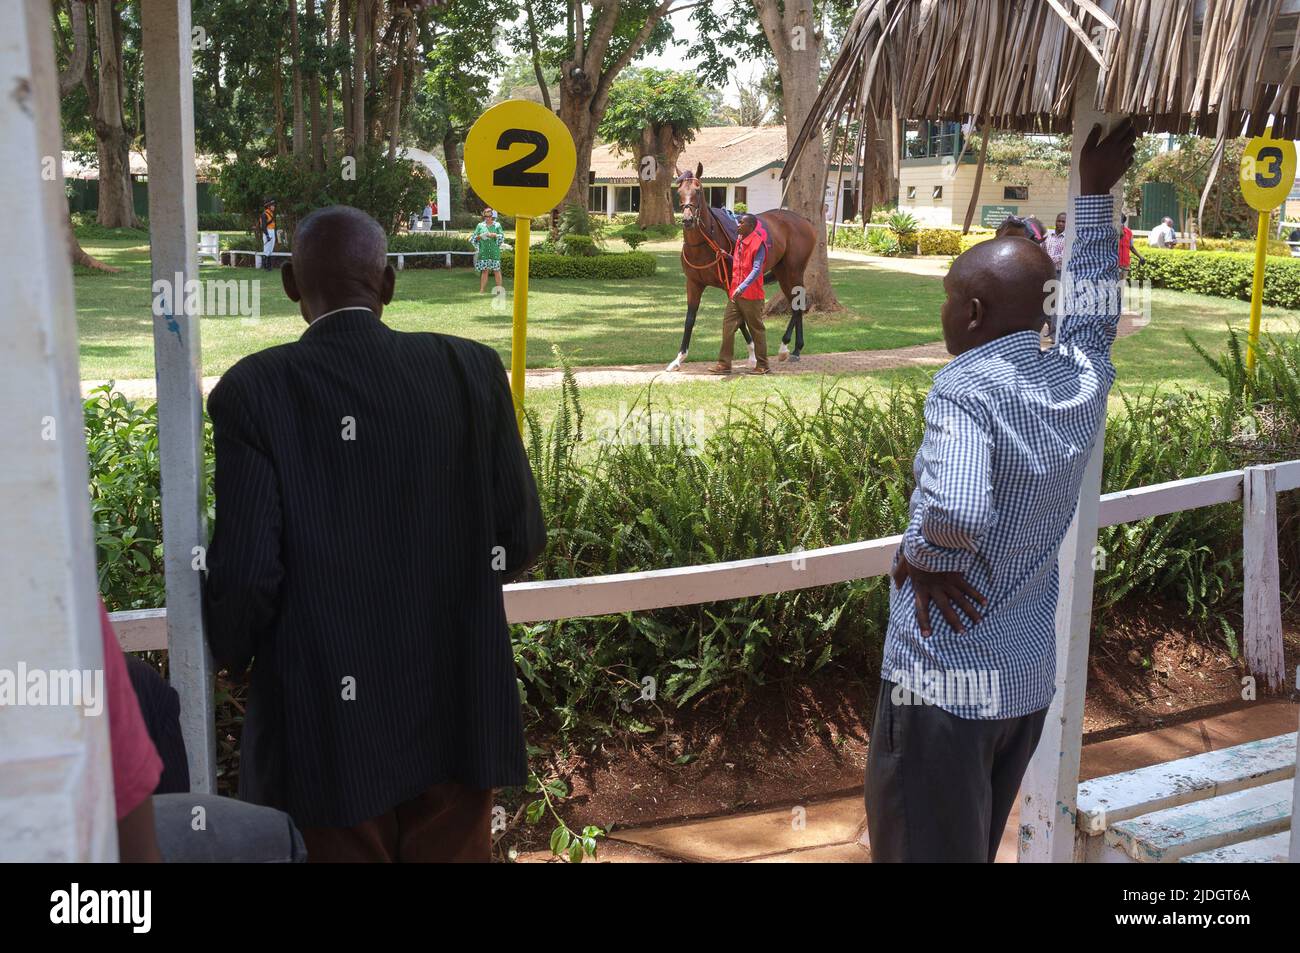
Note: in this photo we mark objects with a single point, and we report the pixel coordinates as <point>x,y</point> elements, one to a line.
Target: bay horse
<point>706,260</point>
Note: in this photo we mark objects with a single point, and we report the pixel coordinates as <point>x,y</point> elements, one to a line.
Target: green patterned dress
<point>487,241</point>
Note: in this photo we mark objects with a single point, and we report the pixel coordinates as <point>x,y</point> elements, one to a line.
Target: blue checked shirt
<point>1008,432</point>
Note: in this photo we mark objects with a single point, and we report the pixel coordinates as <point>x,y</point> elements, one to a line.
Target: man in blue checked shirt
<point>970,653</point>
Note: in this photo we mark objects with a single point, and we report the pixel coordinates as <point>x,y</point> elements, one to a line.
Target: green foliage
<point>904,226</point>
<point>1220,274</point>
<point>669,105</point>
<point>221,222</point>
<point>632,236</point>
<point>740,208</point>
<point>938,241</point>
<point>1274,246</point>
<point>1011,151</point>
<point>390,190</point>
<point>1187,167</point>
<point>606,266</point>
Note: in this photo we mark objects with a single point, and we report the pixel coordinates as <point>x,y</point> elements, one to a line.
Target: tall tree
<point>653,114</point>
<point>295,57</point>
<point>589,58</point>
<point>104,82</point>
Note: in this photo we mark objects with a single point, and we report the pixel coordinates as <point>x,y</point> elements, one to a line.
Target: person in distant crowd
<point>372,497</point>
<point>1126,248</point>
<point>1054,244</point>
<point>487,238</point>
<point>970,649</point>
<point>746,296</point>
<point>266,228</point>
<point>428,215</point>
<point>1163,235</point>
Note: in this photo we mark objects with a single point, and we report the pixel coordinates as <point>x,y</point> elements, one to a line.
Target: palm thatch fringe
<point>1014,65</point>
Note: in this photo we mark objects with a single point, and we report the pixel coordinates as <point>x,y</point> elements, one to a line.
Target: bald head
<point>997,288</point>
<point>339,261</point>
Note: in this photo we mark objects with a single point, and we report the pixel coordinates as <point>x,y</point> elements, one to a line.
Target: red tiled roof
<point>729,154</point>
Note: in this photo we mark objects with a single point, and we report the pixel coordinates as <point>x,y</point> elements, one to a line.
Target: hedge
<point>939,241</point>
<point>1221,274</point>
<point>611,266</point>
<point>1275,246</point>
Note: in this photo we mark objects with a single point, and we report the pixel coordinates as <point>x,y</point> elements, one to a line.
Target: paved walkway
<point>843,362</point>
<point>834,830</point>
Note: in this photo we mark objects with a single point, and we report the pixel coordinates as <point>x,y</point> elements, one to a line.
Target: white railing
<point>714,582</point>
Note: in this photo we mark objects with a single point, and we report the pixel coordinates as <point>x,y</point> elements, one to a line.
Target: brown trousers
<point>749,310</point>
<point>448,823</point>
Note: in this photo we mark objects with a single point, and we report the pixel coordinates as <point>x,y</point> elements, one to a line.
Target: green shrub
<point>578,246</point>
<point>1221,275</point>
<point>904,226</point>
<point>632,236</point>
<point>881,242</point>
<point>740,208</point>
<point>222,222</point>
<point>428,241</point>
<point>606,266</point>
<point>1274,246</point>
<point>938,241</point>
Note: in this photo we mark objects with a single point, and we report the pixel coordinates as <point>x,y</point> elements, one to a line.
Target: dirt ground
<point>782,744</point>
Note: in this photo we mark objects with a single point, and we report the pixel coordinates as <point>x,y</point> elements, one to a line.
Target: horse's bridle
<point>720,257</point>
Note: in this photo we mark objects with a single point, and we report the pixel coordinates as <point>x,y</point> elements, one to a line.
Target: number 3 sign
<point>1267,175</point>
<point>520,158</point>
<point>1267,171</point>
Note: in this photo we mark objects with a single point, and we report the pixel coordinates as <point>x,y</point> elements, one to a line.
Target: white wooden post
<point>1294,855</point>
<point>169,117</point>
<point>1049,793</point>
<point>1262,596</point>
<point>56,778</point>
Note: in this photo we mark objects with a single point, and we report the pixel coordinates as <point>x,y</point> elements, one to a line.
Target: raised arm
<point>1090,277</point>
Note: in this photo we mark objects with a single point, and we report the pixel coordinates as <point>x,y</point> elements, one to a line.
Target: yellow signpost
<point>520,159</point>
<point>1267,175</point>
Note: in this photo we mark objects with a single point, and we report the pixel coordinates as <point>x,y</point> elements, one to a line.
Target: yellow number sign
<point>1267,175</point>
<point>520,159</point>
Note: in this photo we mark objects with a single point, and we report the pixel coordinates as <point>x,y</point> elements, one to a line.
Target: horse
<point>706,260</point>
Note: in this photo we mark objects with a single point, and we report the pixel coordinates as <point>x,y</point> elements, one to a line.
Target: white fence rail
<point>714,582</point>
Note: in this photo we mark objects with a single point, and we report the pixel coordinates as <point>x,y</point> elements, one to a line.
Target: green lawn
<point>622,322</point>
<point>627,322</point>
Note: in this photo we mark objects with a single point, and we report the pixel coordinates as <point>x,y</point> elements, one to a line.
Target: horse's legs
<point>795,324</point>
<point>693,293</point>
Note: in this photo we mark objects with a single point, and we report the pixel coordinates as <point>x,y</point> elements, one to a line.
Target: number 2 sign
<point>520,158</point>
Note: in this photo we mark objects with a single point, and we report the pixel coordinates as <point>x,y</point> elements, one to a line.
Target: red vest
<point>742,263</point>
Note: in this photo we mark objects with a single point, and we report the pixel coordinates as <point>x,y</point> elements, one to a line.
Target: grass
<point>627,322</point>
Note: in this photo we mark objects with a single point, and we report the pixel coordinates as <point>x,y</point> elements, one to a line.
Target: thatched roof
<point>1217,68</point>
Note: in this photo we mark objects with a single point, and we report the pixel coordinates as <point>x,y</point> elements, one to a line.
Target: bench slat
<point>1262,850</point>
<point>1117,797</point>
<point>1165,836</point>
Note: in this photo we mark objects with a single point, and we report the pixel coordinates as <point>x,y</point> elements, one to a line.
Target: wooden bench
<point>1231,805</point>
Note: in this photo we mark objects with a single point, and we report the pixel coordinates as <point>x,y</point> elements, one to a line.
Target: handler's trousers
<point>750,311</point>
<point>939,787</point>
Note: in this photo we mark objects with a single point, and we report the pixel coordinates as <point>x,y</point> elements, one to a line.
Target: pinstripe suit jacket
<point>372,495</point>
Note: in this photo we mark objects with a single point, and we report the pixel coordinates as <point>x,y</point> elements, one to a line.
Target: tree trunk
<point>295,56</point>
<point>797,47</point>
<point>400,53</point>
<point>576,95</point>
<point>116,201</point>
<point>313,88</point>
<point>277,93</point>
<point>664,147</point>
<point>345,78</point>
<point>360,34</point>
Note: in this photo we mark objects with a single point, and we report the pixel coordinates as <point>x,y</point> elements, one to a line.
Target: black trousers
<point>940,788</point>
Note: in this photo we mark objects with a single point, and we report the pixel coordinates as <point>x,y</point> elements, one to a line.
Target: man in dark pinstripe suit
<point>372,495</point>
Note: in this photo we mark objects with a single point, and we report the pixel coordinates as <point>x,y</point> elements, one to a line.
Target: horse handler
<point>745,297</point>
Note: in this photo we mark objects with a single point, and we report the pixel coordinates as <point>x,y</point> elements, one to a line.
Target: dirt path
<point>843,362</point>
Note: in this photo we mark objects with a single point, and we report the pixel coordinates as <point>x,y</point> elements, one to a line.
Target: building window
<point>742,196</point>
<point>596,198</point>
<point>911,193</point>
<point>628,199</point>
<point>1015,193</point>
<point>938,193</point>
<point>717,195</point>
<point>929,140</point>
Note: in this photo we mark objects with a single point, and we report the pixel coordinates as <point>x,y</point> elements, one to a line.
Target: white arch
<point>430,161</point>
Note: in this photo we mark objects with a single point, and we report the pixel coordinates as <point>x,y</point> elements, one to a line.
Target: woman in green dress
<point>487,238</point>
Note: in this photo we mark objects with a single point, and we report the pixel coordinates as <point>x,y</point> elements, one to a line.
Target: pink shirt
<point>136,765</point>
